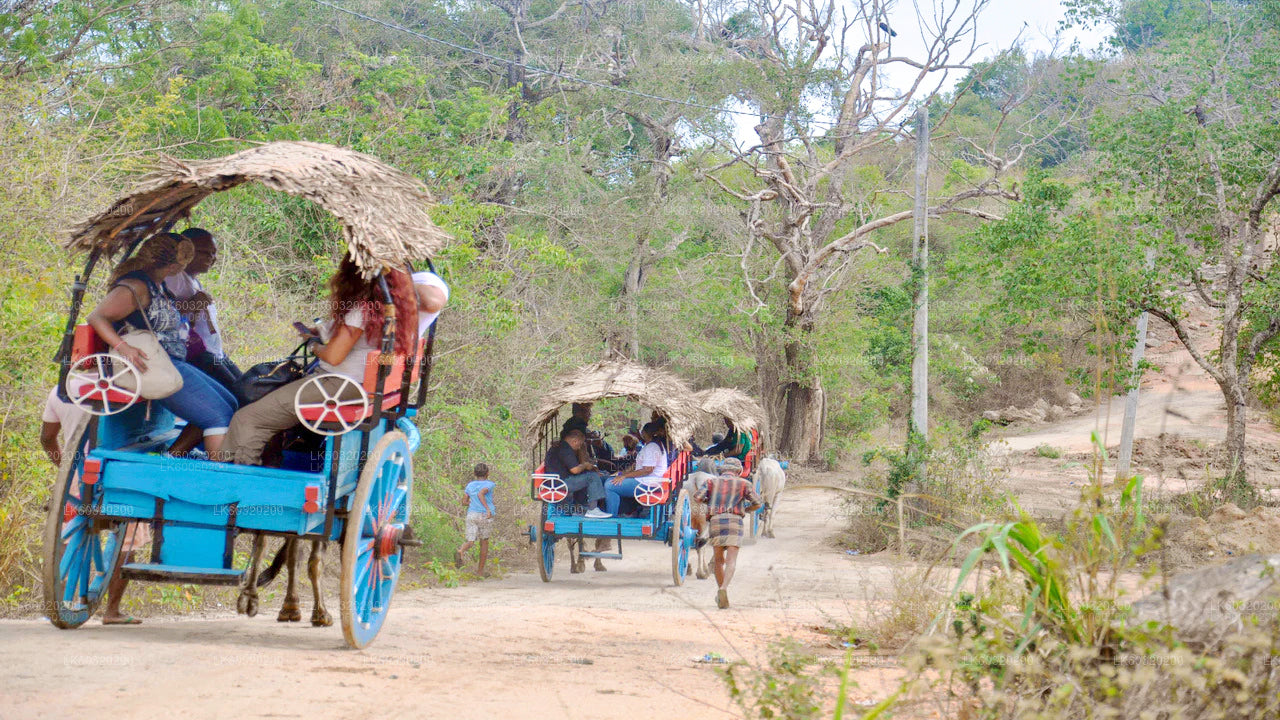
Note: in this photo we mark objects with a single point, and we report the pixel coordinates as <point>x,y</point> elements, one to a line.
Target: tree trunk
<point>802,399</point>
<point>1237,423</point>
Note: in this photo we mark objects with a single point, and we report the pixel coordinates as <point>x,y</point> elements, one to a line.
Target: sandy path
<point>597,645</point>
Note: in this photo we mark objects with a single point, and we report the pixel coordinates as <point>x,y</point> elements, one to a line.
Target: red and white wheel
<point>650,494</point>
<point>331,409</point>
<point>551,489</point>
<point>103,384</point>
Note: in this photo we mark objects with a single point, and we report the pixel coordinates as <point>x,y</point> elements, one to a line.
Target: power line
<point>553,73</point>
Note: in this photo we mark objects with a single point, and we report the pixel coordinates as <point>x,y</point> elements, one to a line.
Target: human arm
<point>752,498</point>
<point>721,447</point>
<point>486,500</point>
<point>339,346</point>
<point>431,299</point>
<point>116,306</point>
<point>49,441</point>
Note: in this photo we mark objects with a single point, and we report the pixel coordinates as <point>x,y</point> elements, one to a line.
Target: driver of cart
<point>204,345</point>
<point>342,345</point>
<point>564,459</point>
<point>736,443</point>
<point>602,452</point>
<point>651,465</point>
<point>595,450</point>
<point>433,294</point>
<point>135,290</point>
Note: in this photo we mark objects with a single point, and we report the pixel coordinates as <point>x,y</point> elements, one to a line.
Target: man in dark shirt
<point>579,418</point>
<point>563,459</point>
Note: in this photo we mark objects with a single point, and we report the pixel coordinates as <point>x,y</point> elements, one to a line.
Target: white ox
<point>772,481</point>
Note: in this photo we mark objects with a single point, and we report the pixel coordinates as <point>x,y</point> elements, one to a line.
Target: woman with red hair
<point>353,331</point>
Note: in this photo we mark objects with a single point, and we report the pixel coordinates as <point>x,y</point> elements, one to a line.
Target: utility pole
<point>1131,399</point>
<point>919,427</point>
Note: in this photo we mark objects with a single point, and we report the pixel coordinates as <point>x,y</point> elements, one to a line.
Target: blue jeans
<point>591,480</point>
<point>614,494</point>
<point>202,402</point>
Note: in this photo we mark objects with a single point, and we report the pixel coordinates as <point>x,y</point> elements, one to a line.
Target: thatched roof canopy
<point>736,405</point>
<point>383,211</point>
<point>656,389</point>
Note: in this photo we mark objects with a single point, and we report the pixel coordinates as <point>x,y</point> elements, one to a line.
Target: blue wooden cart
<point>355,491</point>
<point>663,510</point>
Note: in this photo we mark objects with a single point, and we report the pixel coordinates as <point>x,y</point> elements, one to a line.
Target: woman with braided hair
<point>136,288</point>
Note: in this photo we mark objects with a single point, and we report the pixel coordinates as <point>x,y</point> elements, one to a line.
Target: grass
<point>1048,451</point>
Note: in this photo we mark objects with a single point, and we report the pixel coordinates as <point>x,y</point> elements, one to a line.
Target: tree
<point>807,196</point>
<point>1192,126</point>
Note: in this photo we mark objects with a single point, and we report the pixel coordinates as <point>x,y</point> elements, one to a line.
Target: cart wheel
<point>80,553</point>
<point>314,415</point>
<point>371,551</point>
<point>682,537</point>
<point>755,516</point>
<point>546,552</point>
<point>97,377</point>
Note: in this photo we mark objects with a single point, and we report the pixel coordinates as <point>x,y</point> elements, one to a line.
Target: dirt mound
<point>1228,532</point>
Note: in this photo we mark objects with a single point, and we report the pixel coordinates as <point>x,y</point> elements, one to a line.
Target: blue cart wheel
<point>80,551</point>
<point>755,516</point>
<point>682,537</point>
<point>371,551</point>
<point>546,545</point>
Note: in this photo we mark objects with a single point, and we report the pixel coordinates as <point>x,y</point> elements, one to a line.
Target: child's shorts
<point>479,527</point>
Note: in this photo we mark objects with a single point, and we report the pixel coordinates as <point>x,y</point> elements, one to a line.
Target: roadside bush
<point>1062,644</point>
<point>961,486</point>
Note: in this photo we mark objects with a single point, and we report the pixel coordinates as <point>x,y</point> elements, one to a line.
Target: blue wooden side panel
<point>198,496</point>
<point>204,493</point>
<point>132,425</point>
<point>608,527</point>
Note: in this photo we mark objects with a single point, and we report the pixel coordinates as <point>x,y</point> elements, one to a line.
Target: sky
<point>998,26</point>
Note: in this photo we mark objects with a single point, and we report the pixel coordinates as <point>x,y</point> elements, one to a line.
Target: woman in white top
<point>353,331</point>
<point>651,465</point>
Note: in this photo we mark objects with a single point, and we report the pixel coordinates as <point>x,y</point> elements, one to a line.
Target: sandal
<point>126,620</point>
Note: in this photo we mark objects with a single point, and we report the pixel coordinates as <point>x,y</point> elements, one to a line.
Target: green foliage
<point>787,687</point>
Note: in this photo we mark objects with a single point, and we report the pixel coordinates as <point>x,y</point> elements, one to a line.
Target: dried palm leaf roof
<point>383,211</point>
<point>656,389</point>
<point>736,405</point>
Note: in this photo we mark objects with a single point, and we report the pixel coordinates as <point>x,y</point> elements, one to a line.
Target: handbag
<point>263,378</point>
<point>161,378</point>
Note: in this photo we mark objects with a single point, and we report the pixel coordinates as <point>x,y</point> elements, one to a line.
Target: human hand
<point>488,516</point>
<point>199,301</point>
<point>617,480</point>
<point>132,354</point>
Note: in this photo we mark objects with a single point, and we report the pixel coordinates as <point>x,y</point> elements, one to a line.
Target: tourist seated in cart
<point>651,465</point>
<point>137,300</point>
<point>736,443</point>
<point>342,345</point>
<point>564,459</point>
<point>204,344</point>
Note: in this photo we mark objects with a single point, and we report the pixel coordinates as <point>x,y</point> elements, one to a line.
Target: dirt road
<point>597,645</point>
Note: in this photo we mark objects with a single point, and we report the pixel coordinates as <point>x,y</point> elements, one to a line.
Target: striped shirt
<point>725,495</point>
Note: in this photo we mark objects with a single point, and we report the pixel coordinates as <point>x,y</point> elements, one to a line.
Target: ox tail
<point>269,573</point>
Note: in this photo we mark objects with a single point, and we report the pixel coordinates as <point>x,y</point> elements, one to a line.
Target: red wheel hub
<point>388,540</point>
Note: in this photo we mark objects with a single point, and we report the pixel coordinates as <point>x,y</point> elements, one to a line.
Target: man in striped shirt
<point>729,497</point>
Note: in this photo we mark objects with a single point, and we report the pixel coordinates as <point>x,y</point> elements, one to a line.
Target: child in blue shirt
<point>479,493</point>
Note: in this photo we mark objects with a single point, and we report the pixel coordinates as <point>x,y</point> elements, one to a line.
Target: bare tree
<point>800,193</point>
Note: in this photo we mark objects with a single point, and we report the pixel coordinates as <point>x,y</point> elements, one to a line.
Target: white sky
<point>998,26</point>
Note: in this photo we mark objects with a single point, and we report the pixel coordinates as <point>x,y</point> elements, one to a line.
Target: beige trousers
<point>253,425</point>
